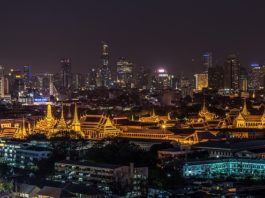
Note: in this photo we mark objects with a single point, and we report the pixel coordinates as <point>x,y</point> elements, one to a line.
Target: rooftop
<point>90,164</point>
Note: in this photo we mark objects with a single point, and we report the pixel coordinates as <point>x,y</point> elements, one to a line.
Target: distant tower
<point>66,72</point>
<point>27,73</point>
<point>231,73</point>
<point>207,60</point>
<point>76,123</point>
<point>51,90</point>
<point>2,82</point>
<point>105,69</point>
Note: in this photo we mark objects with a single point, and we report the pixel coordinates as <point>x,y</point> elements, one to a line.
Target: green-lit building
<point>234,167</point>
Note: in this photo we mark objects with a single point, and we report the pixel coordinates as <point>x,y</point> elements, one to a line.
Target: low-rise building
<point>23,155</point>
<point>106,176</point>
<point>235,167</point>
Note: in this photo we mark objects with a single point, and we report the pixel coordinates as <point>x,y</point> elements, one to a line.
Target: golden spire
<point>61,123</point>
<point>22,131</point>
<point>204,108</point>
<point>49,115</point>
<point>76,122</point>
<point>245,110</point>
<point>254,95</point>
<point>168,116</point>
<point>153,113</point>
<point>132,117</point>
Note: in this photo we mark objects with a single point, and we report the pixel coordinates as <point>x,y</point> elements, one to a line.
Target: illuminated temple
<point>49,125</point>
<point>247,120</point>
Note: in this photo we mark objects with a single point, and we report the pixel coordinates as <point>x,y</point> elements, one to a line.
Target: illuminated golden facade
<point>246,120</point>
<point>76,126</point>
<point>50,125</point>
<point>201,81</point>
<point>203,118</point>
<point>98,127</point>
<point>47,125</point>
<point>163,121</point>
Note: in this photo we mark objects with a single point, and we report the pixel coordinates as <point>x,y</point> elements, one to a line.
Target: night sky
<point>148,32</point>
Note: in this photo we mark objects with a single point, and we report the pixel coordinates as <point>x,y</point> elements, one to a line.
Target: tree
<point>119,151</point>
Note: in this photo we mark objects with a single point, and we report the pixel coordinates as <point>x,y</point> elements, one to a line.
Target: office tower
<point>105,69</point>
<point>256,76</point>
<point>201,81</point>
<point>79,81</point>
<point>243,79</point>
<point>27,73</point>
<point>216,77</point>
<point>231,73</point>
<point>16,83</point>
<point>161,79</point>
<point>142,77</point>
<point>66,73</point>
<point>125,73</point>
<point>207,61</point>
<point>92,78</point>
<point>2,82</point>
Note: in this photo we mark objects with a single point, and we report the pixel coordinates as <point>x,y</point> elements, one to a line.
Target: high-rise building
<point>79,81</point>
<point>16,83</point>
<point>232,73</point>
<point>92,78</point>
<point>125,73</point>
<point>142,77</point>
<point>243,79</point>
<point>256,77</point>
<point>207,61</point>
<point>216,77</point>
<point>2,82</point>
<point>66,73</point>
<point>201,81</point>
<point>162,79</point>
<point>105,69</point>
<point>27,70</point>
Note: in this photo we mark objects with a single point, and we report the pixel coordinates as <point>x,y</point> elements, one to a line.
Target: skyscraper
<point>201,81</point>
<point>231,73</point>
<point>66,73</point>
<point>2,82</point>
<point>216,77</point>
<point>207,61</point>
<point>124,73</point>
<point>27,70</point>
<point>257,77</point>
<point>105,69</point>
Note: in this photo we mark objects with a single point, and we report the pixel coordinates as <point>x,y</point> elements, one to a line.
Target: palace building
<point>246,120</point>
<point>98,127</point>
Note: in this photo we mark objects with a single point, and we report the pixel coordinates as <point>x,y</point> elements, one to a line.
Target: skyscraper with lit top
<point>66,72</point>
<point>105,69</point>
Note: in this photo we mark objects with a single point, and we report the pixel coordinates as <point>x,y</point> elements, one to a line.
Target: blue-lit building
<point>207,61</point>
<point>230,167</point>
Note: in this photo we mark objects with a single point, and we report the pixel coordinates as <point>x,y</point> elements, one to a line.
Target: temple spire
<point>204,108</point>
<point>76,122</point>
<point>49,115</point>
<point>168,116</point>
<point>245,110</point>
<point>132,117</point>
<point>153,113</point>
<point>22,133</point>
<point>61,123</point>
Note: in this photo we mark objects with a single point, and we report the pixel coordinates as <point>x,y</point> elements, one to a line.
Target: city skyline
<point>150,34</point>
